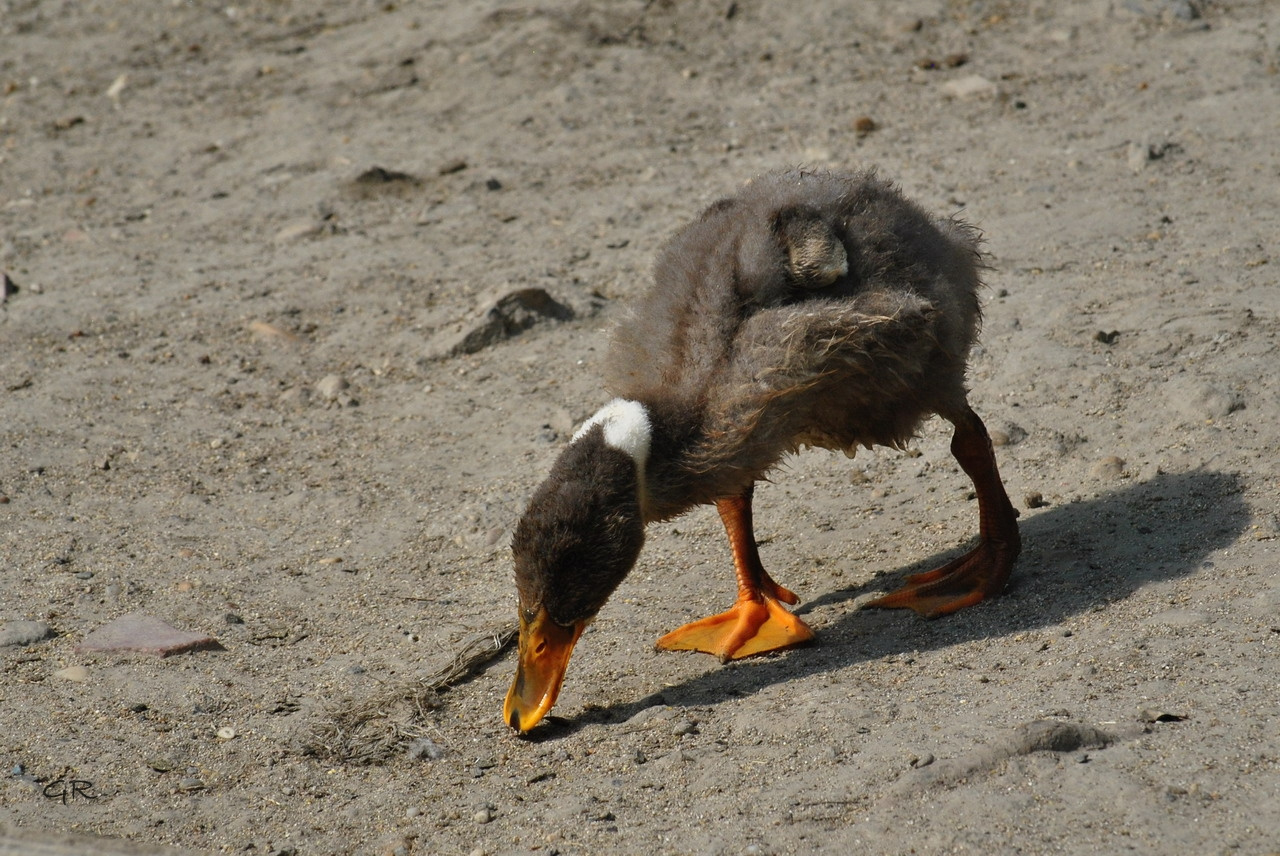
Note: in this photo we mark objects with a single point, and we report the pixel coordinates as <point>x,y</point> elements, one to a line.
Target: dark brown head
<point>579,538</point>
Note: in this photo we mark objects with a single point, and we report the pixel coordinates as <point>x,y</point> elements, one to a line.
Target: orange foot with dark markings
<point>982,572</point>
<point>969,579</point>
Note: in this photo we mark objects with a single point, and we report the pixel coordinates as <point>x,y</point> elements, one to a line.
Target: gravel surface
<point>301,300</point>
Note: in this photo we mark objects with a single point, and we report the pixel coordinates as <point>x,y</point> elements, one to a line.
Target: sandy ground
<point>223,404</point>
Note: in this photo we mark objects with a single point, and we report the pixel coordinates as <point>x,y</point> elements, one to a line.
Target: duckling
<point>811,309</point>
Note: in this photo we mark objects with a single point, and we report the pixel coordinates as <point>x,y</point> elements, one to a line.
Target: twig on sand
<point>372,730</point>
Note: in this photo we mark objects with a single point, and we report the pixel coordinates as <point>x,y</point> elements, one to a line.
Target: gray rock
<point>24,633</point>
<point>500,319</point>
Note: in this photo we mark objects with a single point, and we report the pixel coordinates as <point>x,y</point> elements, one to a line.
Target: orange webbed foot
<point>751,627</point>
<point>969,579</point>
<point>982,572</point>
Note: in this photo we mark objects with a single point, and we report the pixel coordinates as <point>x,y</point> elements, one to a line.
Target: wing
<point>830,373</point>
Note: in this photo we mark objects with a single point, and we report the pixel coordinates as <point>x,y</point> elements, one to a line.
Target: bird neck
<point>667,441</point>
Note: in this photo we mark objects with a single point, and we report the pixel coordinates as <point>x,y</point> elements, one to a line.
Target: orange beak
<point>545,648</point>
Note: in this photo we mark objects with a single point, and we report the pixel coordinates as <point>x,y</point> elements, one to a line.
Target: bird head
<point>578,539</point>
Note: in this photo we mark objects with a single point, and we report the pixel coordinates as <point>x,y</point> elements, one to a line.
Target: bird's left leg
<point>981,573</point>
<point>758,622</point>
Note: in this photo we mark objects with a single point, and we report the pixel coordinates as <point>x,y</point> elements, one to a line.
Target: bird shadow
<point>1076,558</point>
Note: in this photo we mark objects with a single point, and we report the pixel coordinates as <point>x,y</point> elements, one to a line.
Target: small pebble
<point>298,230</point>
<point>331,386</point>
<point>424,749</point>
<point>226,733</point>
<point>483,815</point>
<point>1034,499</point>
<point>1156,715</point>
<point>970,87</point>
<point>1109,468</point>
<point>1009,435</point>
<point>1137,155</point>
<point>79,674</point>
<point>688,726</point>
<point>190,783</point>
<point>412,811</point>
<point>922,760</point>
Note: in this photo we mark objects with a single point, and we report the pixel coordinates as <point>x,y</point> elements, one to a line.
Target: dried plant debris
<point>386,724</point>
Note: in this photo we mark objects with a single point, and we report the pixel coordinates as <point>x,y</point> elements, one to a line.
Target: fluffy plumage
<point>746,354</point>
<point>811,308</point>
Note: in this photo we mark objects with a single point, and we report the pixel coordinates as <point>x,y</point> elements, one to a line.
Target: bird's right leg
<point>758,622</point>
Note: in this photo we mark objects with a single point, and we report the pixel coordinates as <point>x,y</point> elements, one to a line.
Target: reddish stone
<point>145,634</point>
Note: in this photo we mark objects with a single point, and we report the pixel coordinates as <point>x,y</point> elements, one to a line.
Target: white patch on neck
<point>626,428</point>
